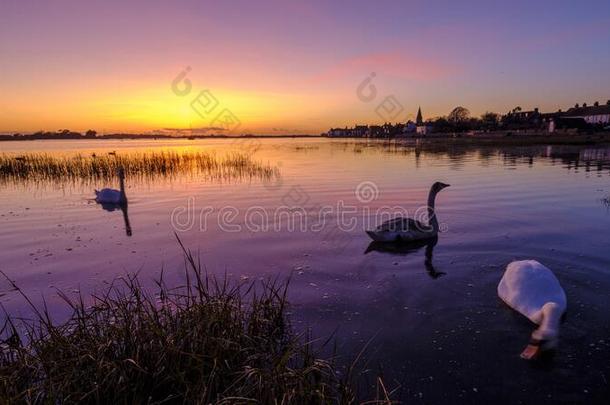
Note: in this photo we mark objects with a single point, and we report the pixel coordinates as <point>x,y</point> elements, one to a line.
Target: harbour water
<point>428,317</point>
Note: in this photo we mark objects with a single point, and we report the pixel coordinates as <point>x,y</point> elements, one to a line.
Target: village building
<point>360,131</point>
<point>595,115</point>
<point>525,116</point>
<point>375,131</point>
<point>339,132</point>
<point>409,127</point>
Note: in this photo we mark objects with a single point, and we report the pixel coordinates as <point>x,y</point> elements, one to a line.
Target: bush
<point>206,342</point>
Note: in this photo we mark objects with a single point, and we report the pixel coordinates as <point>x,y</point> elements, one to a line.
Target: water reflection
<point>124,209</point>
<point>406,248</point>
<point>547,212</point>
<point>571,157</point>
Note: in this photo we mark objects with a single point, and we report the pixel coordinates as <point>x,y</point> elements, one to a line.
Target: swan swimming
<point>111,196</point>
<point>532,289</point>
<point>407,229</point>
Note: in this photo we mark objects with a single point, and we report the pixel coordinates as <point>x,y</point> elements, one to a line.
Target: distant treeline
<point>91,134</point>
<point>67,134</point>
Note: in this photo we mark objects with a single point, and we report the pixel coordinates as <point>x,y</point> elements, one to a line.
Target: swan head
<point>121,173</point>
<point>545,338</point>
<point>537,346</point>
<point>438,186</point>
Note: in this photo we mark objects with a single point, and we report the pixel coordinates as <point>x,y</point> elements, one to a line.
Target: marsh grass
<point>43,167</point>
<point>208,342</point>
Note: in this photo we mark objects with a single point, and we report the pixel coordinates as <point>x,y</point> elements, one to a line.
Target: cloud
<point>192,130</point>
<point>287,130</point>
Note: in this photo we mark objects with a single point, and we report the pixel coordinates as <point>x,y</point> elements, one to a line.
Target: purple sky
<point>287,66</point>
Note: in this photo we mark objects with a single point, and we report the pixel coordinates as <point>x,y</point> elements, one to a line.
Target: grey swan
<point>403,229</point>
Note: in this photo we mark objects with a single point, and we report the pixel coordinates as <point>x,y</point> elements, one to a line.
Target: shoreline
<point>114,137</point>
<point>493,139</point>
<point>501,139</point>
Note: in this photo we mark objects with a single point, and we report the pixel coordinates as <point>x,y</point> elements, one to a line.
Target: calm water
<point>437,331</point>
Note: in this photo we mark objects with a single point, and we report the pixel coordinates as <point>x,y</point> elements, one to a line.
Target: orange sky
<point>289,66</point>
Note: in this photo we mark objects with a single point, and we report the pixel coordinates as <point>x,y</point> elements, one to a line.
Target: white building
<point>423,129</point>
<point>595,114</point>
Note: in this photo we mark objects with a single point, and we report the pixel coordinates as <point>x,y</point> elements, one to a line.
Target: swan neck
<point>126,219</point>
<point>432,220</point>
<point>549,322</point>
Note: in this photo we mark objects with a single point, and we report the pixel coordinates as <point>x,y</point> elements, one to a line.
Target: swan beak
<point>530,352</point>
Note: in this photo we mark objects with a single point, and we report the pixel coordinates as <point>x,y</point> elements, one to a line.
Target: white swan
<point>110,196</point>
<point>533,290</point>
<point>407,229</point>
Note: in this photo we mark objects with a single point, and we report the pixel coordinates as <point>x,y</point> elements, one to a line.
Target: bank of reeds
<point>208,342</point>
<point>44,167</point>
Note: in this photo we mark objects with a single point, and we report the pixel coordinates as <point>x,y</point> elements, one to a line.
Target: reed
<point>43,167</point>
<point>208,342</point>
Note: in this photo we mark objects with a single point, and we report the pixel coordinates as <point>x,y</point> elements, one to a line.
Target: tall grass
<point>208,342</point>
<point>43,167</point>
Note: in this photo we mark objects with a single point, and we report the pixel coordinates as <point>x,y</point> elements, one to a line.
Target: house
<point>338,132</point>
<point>595,115</point>
<point>360,131</point>
<point>375,131</point>
<point>410,127</point>
<point>524,116</point>
<point>523,120</point>
<point>423,129</point>
<point>517,116</point>
<point>387,130</point>
<point>552,120</point>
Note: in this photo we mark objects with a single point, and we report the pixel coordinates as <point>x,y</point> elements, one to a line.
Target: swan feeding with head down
<point>404,229</point>
<point>111,196</point>
<point>532,289</point>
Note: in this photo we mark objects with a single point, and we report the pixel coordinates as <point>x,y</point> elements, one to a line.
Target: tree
<point>458,115</point>
<point>441,124</point>
<point>490,120</point>
<point>90,133</point>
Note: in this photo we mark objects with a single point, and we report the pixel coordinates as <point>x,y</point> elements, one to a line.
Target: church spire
<point>420,119</point>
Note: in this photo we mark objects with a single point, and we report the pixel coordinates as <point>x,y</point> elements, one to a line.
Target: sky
<point>291,67</point>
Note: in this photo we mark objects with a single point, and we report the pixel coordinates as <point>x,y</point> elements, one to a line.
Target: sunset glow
<point>291,67</point>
